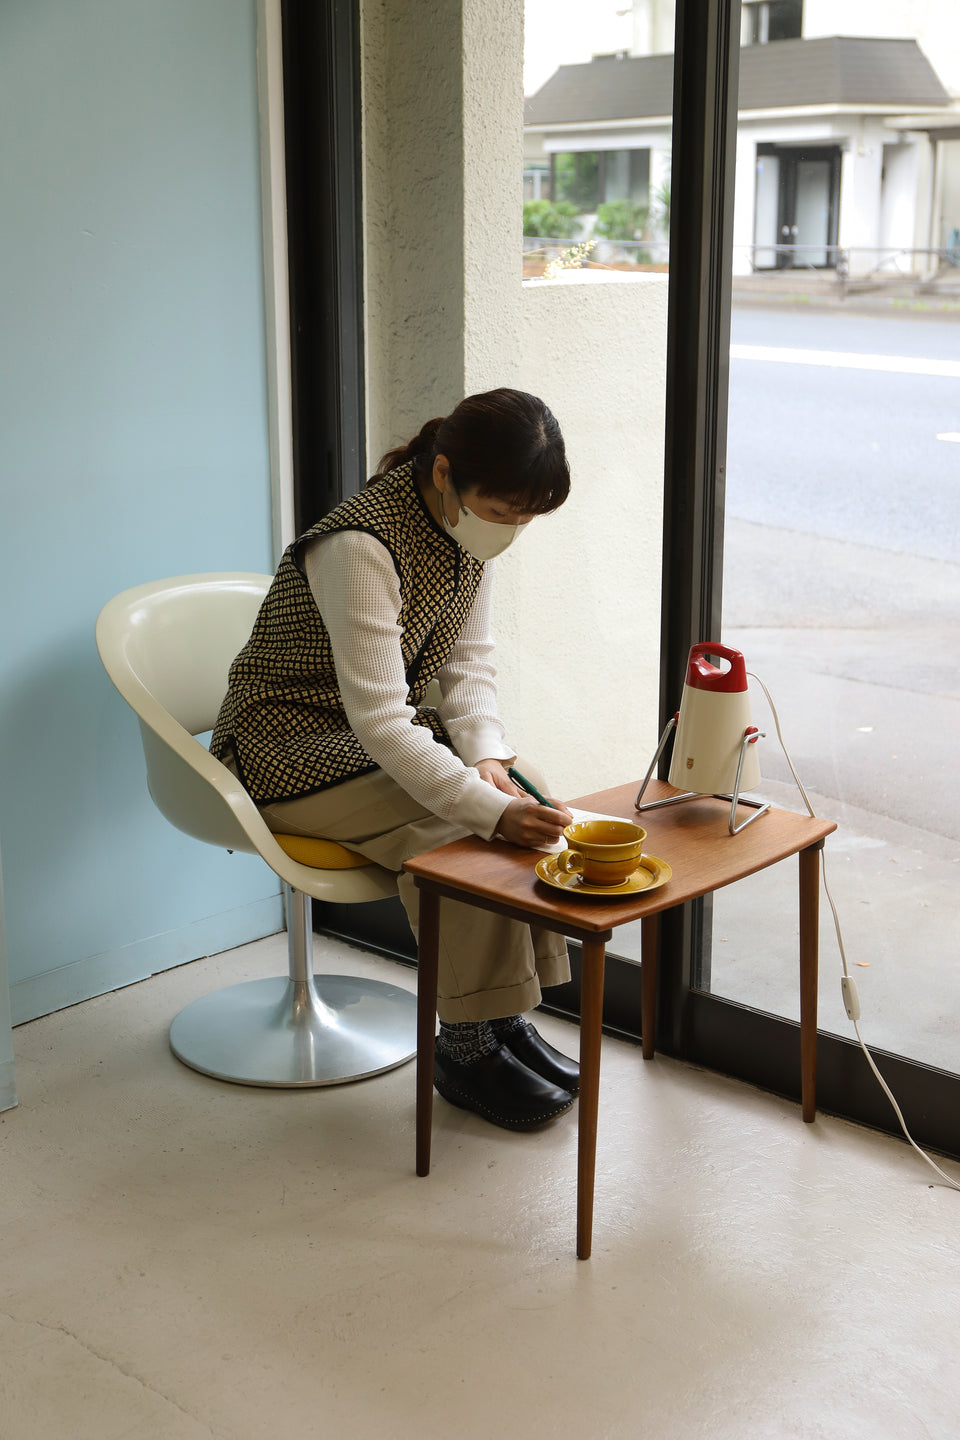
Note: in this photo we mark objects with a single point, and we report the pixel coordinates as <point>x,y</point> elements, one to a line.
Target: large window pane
<point>842,564</point>
<point>594,346</point>
<point>597,134</point>
<point>842,557</point>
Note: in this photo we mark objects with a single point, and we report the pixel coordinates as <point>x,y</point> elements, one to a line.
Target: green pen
<point>530,788</point>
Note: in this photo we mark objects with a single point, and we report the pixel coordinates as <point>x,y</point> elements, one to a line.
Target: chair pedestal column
<point>304,1030</point>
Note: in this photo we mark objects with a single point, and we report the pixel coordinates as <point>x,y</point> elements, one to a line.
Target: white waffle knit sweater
<point>357,590</point>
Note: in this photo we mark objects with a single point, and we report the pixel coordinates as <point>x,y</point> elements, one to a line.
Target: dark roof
<point>837,70</point>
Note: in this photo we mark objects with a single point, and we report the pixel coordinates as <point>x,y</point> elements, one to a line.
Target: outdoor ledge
<point>593,277</point>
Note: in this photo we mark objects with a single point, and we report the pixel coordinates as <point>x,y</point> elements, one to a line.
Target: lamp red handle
<point>728,678</point>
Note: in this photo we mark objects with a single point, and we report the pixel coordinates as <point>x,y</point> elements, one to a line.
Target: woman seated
<point>326,725</point>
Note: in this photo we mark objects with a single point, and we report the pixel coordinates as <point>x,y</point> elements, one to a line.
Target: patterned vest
<point>283,718</point>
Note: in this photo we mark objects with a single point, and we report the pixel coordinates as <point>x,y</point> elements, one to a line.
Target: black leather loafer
<point>532,1050</point>
<point>500,1089</point>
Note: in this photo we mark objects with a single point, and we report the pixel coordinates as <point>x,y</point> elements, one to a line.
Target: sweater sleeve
<point>469,705</point>
<point>357,590</point>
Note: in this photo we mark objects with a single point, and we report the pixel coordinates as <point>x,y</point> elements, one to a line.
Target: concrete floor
<point>184,1258</point>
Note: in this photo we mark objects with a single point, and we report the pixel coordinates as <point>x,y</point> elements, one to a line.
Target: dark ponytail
<point>421,450</point>
<point>504,444</point>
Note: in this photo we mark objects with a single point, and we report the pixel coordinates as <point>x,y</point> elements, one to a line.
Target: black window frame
<point>693,1024</point>
<point>322,114</point>
<point>322,127</point>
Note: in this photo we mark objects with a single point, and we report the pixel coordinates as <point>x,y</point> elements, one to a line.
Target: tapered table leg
<point>428,949</point>
<point>648,984</point>
<point>809,975</point>
<point>591,1020</point>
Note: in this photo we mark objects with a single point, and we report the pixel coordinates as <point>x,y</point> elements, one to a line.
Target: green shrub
<point>661,205</point>
<point>576,178</point>
<point>621,220</point>
<point>549,220</point>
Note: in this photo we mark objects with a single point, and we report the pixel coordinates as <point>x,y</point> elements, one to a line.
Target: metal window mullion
<point>321,60</point>
<point>706,71</point>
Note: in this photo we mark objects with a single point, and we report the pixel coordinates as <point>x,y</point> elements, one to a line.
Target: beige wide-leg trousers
<point>489,966</point>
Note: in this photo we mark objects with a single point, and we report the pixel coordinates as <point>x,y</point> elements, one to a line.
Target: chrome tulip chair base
<point>303,1031</point>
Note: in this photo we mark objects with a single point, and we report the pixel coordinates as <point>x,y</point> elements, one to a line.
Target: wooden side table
<point>694,840</point>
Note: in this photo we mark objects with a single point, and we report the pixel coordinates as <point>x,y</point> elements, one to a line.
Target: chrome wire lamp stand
<point>714,736</point>
<point>759,807</point>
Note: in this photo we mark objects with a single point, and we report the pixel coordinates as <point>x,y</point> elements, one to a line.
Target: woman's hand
<point>524,822</point>
<point>495,774</point>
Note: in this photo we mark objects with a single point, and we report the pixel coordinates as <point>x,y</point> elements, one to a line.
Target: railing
<point>843,269</point>
<point>860,267</point>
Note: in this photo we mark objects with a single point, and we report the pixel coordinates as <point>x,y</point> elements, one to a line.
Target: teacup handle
<point>570,862</point>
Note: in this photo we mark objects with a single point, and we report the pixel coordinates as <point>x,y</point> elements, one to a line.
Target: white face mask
<point>483,539</point>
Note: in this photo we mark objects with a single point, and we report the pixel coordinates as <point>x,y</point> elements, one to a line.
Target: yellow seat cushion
<point>321,854</point>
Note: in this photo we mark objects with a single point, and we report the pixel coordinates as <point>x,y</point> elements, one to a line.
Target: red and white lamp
<point>715,749</point>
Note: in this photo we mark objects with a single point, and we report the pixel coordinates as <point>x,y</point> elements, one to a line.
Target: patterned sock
<point>504,1028</point>
<point>466,1040</point>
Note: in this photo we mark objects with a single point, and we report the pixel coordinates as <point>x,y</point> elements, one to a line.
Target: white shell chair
<point>167,648</point>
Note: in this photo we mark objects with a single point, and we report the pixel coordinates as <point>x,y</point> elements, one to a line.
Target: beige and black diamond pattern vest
<point>283,719</point>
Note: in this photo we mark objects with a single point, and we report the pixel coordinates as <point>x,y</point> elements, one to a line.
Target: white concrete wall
<point>413,214</point>
<point>860,188</point>
<point>442,85</point>
<point>577,612</point>
<point>492,161</point>
<point>577,617</point>
<point>744,201</point>
<point>636,137</point>
<point>898,199</point>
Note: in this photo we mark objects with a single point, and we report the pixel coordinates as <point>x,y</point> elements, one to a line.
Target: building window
<point>589,178</point>
<point>576,178</point>
<point>627,176</point>
<point>766,20</point>
<point>536,180</point>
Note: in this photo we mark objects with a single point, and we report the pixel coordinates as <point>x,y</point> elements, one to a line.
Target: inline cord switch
<point>848,989</point>
<point>851,1000</point>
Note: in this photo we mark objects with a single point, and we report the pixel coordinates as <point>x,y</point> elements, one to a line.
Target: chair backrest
<point>179,637</point>
<point>167,647</point>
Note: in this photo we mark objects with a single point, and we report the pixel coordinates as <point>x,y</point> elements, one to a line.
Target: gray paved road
<point>842,566</point>
<point>847,454</point>
<point>901,334</point>
<point>842,588</point>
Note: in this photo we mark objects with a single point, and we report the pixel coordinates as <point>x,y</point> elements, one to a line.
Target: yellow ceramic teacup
<point>602,852</point>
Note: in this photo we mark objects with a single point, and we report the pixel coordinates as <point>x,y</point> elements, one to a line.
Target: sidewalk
<point>851,643</point>
<point>821,290</point>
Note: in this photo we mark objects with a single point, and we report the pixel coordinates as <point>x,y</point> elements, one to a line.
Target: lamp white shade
<point>707,744</point>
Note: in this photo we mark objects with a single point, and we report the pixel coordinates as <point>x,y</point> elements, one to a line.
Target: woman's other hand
<point>495,774</point>
<point>524,822</point>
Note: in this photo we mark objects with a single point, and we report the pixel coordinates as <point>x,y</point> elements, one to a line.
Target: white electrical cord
<point>851,1002</point>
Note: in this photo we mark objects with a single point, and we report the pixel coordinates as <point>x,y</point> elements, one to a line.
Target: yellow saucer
<point>650,873</point>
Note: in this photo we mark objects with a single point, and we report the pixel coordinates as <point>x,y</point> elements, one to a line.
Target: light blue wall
<point>133,445</point>
<point>8,1086</point>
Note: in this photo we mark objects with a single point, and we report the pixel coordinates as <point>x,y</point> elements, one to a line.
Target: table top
<point>692,838</point>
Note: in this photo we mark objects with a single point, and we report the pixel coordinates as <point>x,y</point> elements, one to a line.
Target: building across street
<point>848,145</point>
